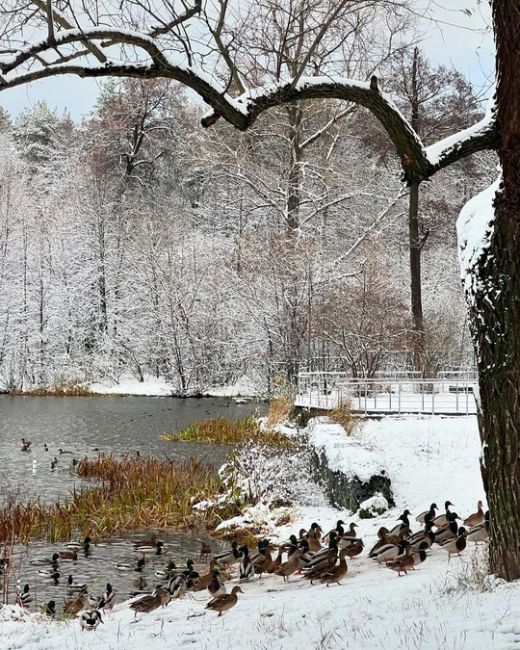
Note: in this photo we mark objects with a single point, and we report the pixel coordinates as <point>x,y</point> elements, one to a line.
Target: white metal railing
<point>448,395</point>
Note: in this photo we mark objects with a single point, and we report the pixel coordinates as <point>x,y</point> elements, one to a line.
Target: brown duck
<point>222,603</point>
<point>337,572</point>
<point>402,563</point>
<point>149,602</point>
<point>476,518</point>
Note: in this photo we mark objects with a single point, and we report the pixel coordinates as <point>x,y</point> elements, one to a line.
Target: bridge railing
<point>452,394</point>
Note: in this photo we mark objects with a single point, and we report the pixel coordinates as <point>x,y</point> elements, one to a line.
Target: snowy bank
<point>427,459</point>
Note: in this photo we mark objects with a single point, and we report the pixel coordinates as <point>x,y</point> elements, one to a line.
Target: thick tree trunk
<point>415,277</point>
<point>496,313</point>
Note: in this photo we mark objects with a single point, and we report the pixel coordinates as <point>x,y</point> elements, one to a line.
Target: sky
<point>456,39</point>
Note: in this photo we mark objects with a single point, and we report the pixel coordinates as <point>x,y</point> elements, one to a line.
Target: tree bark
<point>496,314</point>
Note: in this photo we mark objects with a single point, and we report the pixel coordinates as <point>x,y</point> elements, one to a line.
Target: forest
<point>136,244</point>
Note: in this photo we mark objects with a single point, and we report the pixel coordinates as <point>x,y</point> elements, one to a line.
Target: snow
<point>474,231</point>
<point>151,387</point>
<point>428,459</point>
<point>439,150</point>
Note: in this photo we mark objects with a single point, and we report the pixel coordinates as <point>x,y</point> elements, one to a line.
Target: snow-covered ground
<point>153,387</point>
<point>429,459</point>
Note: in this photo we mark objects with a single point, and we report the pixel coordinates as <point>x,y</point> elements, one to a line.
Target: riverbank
<point>443,604</point>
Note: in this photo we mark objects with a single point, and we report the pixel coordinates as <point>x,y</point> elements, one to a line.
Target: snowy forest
<point>136,244</point>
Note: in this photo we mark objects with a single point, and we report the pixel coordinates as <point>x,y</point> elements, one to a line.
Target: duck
<point>177,586</point>
<point>45,448</point>
<point>476,518</point>
<point>24,597</point>
<point>54,464</point>
<point>167,572</point>
<point>246,567</point>
<point>222,603</point>
<point>353,547</point>
<point>190,575</point>
<point>64,451</point>
<point>427,515</point>
<point>107,598</point>
<point>25,445</point>
<point>339,530</point>
<point>79,545</point>
<point>426,536</point>
<point>131,567</point>
<point>216,587</point>
<point>75,586</point>
<point>263,561</point>
<point>322,558</point>
<point>389,552</point>
<point>314,537</point>
<point>147,603</point>
<point>449,531</point>
<point>403,562</point>
<point>442,520</point>
<point>140,583</point>
<point>337,572</point>
<point>205,552</point>
<point>418,557</point>
<point>149,548</point>
<point>72,554</point>
<point>43,561</point>
<point>229,557</point>
<point>90,619</point>
<point>277,561</point>
<point>76,604</point>
<point>290,566</point>
<point>317,566</point>
<point>150,541</point>
<point>479,533</point>
<point>50,609</point>
<point>457,545</point>
<point>293,544</point>
<point>404,526</point>
<point>351,533</point>
<point>382,536</point>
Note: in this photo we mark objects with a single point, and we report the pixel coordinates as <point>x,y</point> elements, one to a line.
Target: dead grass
<point>224,431</point>
<point>61,388</point>
<point>134,493</point>
<point>344,416</point>
<point>280,410</point>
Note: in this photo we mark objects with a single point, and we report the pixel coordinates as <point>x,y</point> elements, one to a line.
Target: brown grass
<point>61,388</point>
<point>224,431</point>
<point>344,416</point>
<point>134,493</point>
<point>280,410</point>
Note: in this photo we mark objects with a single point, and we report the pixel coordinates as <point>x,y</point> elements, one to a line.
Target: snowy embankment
<point>153,387</point>
<point>427,459</point>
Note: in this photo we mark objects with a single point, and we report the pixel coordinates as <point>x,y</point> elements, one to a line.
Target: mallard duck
<point>382,535</point>
<point>42,561</point>
<point>54,464</point>
<point>79,545</point>
<point>426,536</point>
<point>419,557</point>
<point>25,445</point>
<point>351,533</point>
<point>90,619</point>
<point>167,572</point>
<point>216,587</point>
<point>107,598</point>
<point>339,530</point>
<point>457,545</point>
<point>177,586</point>
<point>24,597</point>
<point>50,609</point>
<point>353,547</point>
<point>246,566</point>
<point>476,518</point>
<point>140,583</point>
<point>75,586</point>
<point>336,572</point>
<point>64,451</point>
<point>480,533</point>
<point>277,561</point>
<point>263,561</point>
<point>190,575</point>
<point>325,553</point>
<point>228,557</point>
<point>149,602</point>
<point>427,515</point>
<point>290,566</point>
<point>76,604</point>
<point>404,525</point>
<point>443,520</point>
<point>317,566</point>
<point>148,548</point>
<point>222,603</point>
<point>389,552</point>
<point>131,567</point>
<point>205,551</point>
<point>403,562</point>
<point>314,537</point>
<point>449,531</point>
<point>292,545</point>
<point>72,554</point>
<point>150,541</point>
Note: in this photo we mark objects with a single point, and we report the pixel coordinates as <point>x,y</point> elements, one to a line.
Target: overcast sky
<point>457,39</point>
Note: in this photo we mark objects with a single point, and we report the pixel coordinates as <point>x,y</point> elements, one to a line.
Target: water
<point>87,426</point>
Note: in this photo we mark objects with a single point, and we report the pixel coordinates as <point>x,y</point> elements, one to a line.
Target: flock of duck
<point>315,556</point>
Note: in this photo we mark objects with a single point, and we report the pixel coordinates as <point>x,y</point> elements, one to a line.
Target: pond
<point>86,426</point>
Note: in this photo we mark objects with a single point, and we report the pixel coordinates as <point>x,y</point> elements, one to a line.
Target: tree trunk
<point>414,238</point>
<point>496,314</point>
